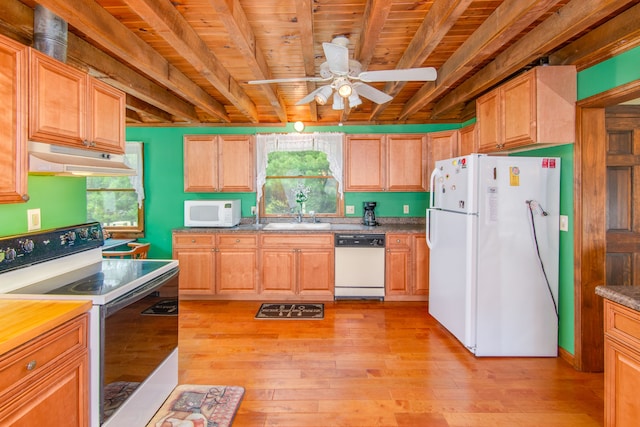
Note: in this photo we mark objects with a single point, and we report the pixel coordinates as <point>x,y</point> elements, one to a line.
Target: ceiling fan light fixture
<point>322,96</point>
<point>344,88</point>
<point>354,99</point>
<point>338,103</point>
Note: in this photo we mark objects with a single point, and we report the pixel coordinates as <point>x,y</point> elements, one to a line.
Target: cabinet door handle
<point>237,240</point>
<point>31,365</point>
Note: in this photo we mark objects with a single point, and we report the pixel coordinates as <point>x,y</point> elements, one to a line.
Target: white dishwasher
<point>359,266</point>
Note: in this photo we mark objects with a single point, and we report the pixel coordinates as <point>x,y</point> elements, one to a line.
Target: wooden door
<point>407,163</point>
<point>364,163</point>
<point>13,121</point>
<point>236,163</point>
<point>623,198</point>
<point>518,109</point>
<point>200,163</point>
<point>196,271</point>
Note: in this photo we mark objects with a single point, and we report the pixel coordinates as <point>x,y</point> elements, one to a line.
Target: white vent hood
<point>47,159</point>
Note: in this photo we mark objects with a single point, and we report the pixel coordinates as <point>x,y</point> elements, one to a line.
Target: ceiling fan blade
<point>288,80</point>
<point>371,93</point>
<point>310,97</point>
<point>337,57</point>
<point>407,75</point>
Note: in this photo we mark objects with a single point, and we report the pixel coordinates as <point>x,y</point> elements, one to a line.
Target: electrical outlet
<point>33,219</point>
<point>405,209</point>
<point>564,223</point>
<point>351,209</point>
<point>253,210</point>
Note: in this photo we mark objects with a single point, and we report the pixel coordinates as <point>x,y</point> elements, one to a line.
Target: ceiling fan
<point>346,77</point>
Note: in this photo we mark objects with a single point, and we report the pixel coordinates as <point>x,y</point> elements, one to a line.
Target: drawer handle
<point>32,365</point>
<point>397,240</point>
<point>193,240</point>
<point>237,240</point>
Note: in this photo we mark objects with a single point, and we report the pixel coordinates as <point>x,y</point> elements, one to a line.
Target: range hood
<point>47,159</point>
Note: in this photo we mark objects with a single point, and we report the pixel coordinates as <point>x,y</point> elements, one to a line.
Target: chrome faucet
<point>313,216</point>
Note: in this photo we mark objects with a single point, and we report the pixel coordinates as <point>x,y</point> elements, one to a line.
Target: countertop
<point>628,296</point>
<point>24,320</point>
<point>336,227</point>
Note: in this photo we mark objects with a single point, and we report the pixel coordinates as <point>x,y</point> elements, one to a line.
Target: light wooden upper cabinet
<point>385,162</point>
<point>406,160</point>
<point>441,145</point>
<point>13,121</point>
<point>68,107</point>
<point>364,163</point>
<point>215,163</point>
<point>537,107</point>
<point>467,140</point>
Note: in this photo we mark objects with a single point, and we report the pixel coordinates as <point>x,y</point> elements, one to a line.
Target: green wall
<point>565,281</point>
<point>61,201</point>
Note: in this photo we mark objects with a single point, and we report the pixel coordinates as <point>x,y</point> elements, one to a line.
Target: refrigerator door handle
<point>428,230</point>
<point>432,187</point>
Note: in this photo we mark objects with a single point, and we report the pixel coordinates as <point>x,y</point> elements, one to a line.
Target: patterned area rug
<point>199,406</point>
<point>291,311</point>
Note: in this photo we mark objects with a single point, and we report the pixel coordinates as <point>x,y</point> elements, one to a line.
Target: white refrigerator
<point>493,234</point>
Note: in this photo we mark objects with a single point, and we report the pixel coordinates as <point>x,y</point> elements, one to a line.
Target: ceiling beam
<point>505,23</point>
<point>139,106</point>
<point>100,26</point>
<point>304,12</point>
<point>575,17</point>
<point>441,17</point>
<point>376,13</point>
<point>19,23</point>
<point>615,36</point>
<point>235,21</point>
<point>169,24</point>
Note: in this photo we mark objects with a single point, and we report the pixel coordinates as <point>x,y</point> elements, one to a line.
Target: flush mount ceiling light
<point>298,126</point>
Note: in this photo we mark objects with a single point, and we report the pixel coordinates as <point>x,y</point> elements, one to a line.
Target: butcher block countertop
<point>628,296</point>
<point>23,320</point>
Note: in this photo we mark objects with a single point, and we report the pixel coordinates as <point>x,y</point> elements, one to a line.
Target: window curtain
<point>329,143</point>
<point>133,158</point>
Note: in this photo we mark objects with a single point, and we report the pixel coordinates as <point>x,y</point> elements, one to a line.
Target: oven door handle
<point>139,292</point>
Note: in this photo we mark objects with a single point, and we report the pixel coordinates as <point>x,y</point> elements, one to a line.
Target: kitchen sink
<point>298,226</point>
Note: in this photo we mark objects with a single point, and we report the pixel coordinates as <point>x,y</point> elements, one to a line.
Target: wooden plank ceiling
<point>189,61</point>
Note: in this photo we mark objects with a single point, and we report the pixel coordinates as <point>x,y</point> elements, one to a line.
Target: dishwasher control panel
<point>360,240</point>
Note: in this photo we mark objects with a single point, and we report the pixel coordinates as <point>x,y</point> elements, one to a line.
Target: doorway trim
<point>590,222</point>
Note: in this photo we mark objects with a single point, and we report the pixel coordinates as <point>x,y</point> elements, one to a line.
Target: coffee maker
<point>369,216</point>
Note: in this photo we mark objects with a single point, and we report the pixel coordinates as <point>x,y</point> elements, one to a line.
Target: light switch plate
<point>351,209</point>
<point>564,223</point>
<point>405,209</point>
<point>33,219</point>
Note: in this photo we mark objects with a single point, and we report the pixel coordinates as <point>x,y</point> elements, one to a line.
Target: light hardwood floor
<point>374,364</point>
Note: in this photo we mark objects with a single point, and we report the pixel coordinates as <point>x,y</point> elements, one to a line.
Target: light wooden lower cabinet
<point>300,265</point>
<point>621,365</point>
<point>287,266</point>
<point>216,264</point>
<point>45,382</point>
<point>407,268</point>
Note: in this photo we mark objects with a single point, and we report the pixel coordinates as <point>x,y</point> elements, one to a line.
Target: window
<point>299,173</point>
<point>117,201</point>
<point>299,181</point>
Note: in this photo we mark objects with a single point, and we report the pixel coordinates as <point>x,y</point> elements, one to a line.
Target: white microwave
<point>212,213</point>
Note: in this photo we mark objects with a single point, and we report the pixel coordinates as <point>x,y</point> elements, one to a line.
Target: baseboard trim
<point>566,356</point>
